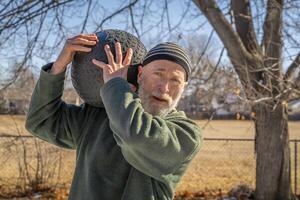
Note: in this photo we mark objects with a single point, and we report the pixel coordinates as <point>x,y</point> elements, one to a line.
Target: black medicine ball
<point>87,78</point>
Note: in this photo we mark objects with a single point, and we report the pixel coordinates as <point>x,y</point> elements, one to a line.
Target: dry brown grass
<point>218,165</point>
<point>213,129</point>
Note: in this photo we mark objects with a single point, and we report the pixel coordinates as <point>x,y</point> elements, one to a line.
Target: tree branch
<point>242,60</point>
<point>29,50</point>
<point>86,16</point>
<point>272,31</point>
<point>292,68</point>
<point>205,48</point>
<point>215,67</point>
<point>297,81</point>
<point>230,39</point>
<point>244,24</point>
<point>114,14</point>
<point>272,44</point>
<point>20,16</point>
<point>168,16</point>
<point>133,23</point>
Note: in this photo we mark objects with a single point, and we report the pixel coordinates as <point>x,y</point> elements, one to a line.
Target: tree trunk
<point>260,72</point>
<point>273,153</point>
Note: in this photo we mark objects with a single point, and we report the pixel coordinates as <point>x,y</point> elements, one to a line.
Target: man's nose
<point>164,86</point>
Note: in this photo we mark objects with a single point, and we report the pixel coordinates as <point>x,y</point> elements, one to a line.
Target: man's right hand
<point>77,43</point>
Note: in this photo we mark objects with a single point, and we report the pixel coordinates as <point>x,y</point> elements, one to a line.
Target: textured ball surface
<point>87,78</point>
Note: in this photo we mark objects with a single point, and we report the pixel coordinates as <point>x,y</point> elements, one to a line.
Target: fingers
<point>119,56</point>
<point>74,48</point>
<point>87,37</point>
<point>82,41</point>
<point>79,42</point>
<point>102,65</point>
<point>110,56</point>
<point>128,57</point>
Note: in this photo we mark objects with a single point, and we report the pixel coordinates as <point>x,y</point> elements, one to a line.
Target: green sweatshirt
<point>122,152</point>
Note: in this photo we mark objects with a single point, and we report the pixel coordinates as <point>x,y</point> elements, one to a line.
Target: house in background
<point>16,100</point>
<point>230,106</point>
<point>227,106</point>
<point>294,109</point>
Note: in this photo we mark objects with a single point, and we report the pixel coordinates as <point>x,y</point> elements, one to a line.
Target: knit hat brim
<point>172,52</point>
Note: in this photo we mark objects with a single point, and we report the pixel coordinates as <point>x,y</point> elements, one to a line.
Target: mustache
<point>162,96</point>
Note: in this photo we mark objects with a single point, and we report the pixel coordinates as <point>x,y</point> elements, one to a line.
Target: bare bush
<point>37,165</point>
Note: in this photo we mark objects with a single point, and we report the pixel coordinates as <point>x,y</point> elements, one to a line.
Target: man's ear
<point>139,75</point>
<point>185,84</point>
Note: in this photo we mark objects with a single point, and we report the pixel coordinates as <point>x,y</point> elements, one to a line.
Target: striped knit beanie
<point>172,52</point>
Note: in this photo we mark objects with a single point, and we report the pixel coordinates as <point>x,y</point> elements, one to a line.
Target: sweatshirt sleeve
<point>49,118</point>
<point>156,146</point>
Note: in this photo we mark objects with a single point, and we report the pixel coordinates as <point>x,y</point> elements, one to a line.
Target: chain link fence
<point>295,159</point>
<point>30,164</point>
<point>224,163</point>
<point>221,164</point>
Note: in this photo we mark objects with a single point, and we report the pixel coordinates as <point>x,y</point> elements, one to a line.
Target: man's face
<point>161,83</point>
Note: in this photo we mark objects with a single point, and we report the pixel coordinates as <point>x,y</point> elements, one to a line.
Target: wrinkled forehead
<point>176,72</point>
<point>165,66</point>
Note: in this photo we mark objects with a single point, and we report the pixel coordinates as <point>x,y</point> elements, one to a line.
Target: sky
<point>192,25</point>
<point>187,28</point>
<point>104,8</point>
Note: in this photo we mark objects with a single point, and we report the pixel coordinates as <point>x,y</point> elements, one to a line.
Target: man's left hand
<point>114,68</point>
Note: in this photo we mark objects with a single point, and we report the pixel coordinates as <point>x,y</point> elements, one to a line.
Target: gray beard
<point>151,108</point>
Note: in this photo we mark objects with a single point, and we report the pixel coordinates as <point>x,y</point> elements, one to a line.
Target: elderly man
<point>135,148</point>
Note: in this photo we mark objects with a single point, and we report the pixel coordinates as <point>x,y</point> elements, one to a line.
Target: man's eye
<point>158,73</point>
<point>176,80</point>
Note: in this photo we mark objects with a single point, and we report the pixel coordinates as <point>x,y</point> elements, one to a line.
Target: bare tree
<point>267,88</point>
<point>22,21</point>
<point>38,165</point>
<point>32,32</point>
<point>211,78</point>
